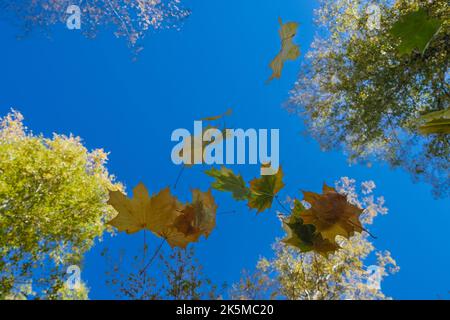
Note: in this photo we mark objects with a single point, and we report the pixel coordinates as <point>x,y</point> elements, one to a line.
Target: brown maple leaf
<point>331,214</point>
<point>304,237</point>
<point>197,218</point>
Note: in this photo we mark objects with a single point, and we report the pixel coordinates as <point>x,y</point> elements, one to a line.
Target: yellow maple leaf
<point>142,211</point>
<point>156,213</point>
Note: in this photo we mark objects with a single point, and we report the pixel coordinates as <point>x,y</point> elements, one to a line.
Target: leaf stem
<point>282,206</point>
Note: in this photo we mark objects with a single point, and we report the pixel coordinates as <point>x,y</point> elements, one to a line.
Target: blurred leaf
<point>435,122</point>
<point>226,113</point>
<point>197,144</point>
<point>289,51</point>
<point>197,218</point>
<point>415,31</point>
<point>227,180</point>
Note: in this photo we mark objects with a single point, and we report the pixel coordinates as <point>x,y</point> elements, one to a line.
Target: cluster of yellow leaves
<point>164,215</point>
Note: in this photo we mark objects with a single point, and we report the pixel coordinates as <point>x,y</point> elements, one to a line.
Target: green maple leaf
<point>415,31</point>
<point>264,189</point>
<point>227,180</point>
<point>304,236</point>
<point>435,122</point>
<point>299,235</point>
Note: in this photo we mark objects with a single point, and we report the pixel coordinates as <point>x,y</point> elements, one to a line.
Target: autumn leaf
<point>264,189</point>
<point>304,236</point>
<point>161,214</point>
<point>227,180</point>
<point>298,234</point>
<point>435,122</point>
<point>197,144</point>
<point>331,214</point>
<point>154,213</point>
<point>213,118</point>
<point>415,30</point>
<point>197,218</point>
<point>289,50</point>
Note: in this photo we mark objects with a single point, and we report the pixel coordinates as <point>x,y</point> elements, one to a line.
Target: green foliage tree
<point>344,274</point>
<point>359,93</point>
<point>53,194</point>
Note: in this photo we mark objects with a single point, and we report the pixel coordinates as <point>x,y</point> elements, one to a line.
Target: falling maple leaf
<point>331,214</point>
<point>227,180</point>
<point>197,144</point>
<point>154,213</point>
<point>304,236</point>
<point>415,30</point>
<point>436,122</point>
<point>264,189</point>
<point>213,118</point>
<point>298,234</point>
<point>198,217</point>
<point>289,50</point>
<point>164,215</point>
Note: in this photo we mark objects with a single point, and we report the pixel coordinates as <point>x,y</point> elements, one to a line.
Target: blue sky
<point>218,60</point>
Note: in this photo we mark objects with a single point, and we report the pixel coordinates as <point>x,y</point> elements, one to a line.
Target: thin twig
<point>282,206</point>
<point>120,18</point>
<point>179,176</point>
<point>153,257</point>
<point>363,229</point>
<point>226,212</point>
<point>144,251</point>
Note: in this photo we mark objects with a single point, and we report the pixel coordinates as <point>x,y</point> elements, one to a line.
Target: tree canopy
<point>358,91</point>
<point>53,194</point>
<point>345,274</point>
<point>130,20</point>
